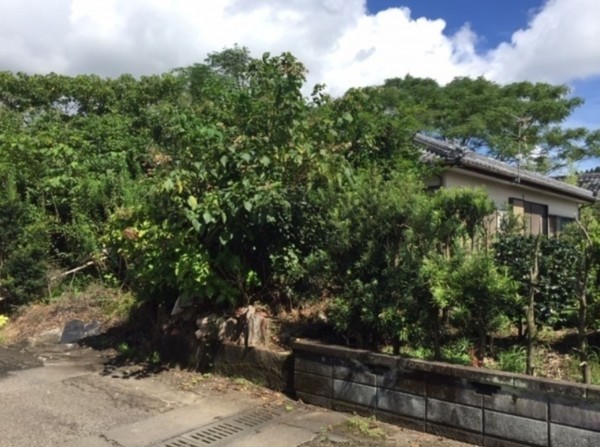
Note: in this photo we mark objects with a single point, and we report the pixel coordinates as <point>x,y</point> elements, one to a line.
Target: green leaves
<point>520,121</point>
<point>192,202</point>
<point>229,175</point>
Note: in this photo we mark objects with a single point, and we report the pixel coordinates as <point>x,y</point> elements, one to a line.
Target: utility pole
<point>522,125</point>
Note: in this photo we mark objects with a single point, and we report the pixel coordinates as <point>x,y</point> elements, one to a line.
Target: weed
<point>154,358</point>
<point>117,305</point>
<point>593,364</point>
<point>3,322</point>
<point>459,351</point>
<point>124,349</point>
<point>368,427</point>
<point>417,352</point>
<point>245,384</point>
<point>194,381</point>
<point>513,359</point>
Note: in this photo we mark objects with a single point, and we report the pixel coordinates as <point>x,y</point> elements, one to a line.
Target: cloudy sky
<point>343,43</point>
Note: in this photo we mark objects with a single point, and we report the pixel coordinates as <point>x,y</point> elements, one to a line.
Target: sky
<point>343,43</point>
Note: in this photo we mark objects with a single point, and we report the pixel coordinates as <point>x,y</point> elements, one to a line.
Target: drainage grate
<point>221,432</point>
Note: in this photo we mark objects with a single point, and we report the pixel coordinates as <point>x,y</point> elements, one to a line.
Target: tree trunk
<point>582,342</point>
<point>481,347</point>
<point>582,324</point>
<point>585,372</point>
<point>582,299</point>
<point>530,308</point>
<point>437,345</point>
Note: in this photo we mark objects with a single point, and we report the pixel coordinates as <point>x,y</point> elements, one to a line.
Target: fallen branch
<point>75,270</point>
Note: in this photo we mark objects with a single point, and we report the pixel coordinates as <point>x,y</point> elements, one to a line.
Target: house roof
<point>589,180</point>
<point>455,155</point>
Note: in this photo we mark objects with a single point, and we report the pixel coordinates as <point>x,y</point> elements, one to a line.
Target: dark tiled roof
<point>589,180</point>
<point>452,154</point>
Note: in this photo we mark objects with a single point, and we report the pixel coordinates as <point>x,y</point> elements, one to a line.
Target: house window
<point>534,215</point>
<point>557,224</point>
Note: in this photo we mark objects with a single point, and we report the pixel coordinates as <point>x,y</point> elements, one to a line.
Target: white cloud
<point>561,44</point>
<point>341,44</point>
<point>391,44</point>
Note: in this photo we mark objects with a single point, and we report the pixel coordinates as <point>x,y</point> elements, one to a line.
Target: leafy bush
<point>475,288</point>
<point>555,299</point>
<point>23,252</point>
<point>365,235</point>
<point>228,203</point>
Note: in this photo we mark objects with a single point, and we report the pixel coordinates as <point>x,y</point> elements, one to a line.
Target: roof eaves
<point>470,159</point>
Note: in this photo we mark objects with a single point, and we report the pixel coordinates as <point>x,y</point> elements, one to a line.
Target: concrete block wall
<point>474,405</point>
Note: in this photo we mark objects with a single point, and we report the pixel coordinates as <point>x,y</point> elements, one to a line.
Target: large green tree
<point>520,122</point>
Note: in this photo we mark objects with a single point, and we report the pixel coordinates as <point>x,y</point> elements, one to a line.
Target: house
<point>545,204</point>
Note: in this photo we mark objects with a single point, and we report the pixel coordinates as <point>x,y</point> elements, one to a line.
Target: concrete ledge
<point>355,393</point>
<point>473,405</point>
<point>313,384</point>
<point>312,399</point>
<point>453,389</point>
<point>516,428</point>
<point>272,369</point>
<point>455,433</point>
<point>479,375</point>
<point>562,436</point>
<point>455,415</point>
<point>575,413</point>
<point>402,404</point>
<point>516,402</point>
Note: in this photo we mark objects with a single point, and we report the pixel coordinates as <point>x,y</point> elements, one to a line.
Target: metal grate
<point>222,431</point>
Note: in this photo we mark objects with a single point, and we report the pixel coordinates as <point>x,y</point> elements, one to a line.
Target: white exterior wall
<point>500,191</point>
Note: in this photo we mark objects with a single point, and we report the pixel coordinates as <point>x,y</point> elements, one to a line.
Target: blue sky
<point>493,20</point>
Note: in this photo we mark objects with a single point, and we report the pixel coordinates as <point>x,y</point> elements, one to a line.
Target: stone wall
<point>268,368</point>
<point>474,405</point>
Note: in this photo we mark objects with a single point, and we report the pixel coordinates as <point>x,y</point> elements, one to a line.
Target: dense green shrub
<point>23,251</point>
<point>365,236</point>
<point>227,206</point>
<point>555,294</point>
<point>221,184</point>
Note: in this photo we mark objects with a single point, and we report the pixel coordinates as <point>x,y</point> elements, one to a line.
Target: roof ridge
<point>474,160</point>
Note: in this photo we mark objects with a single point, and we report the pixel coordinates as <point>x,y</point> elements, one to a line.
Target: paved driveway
<point>68,395</point>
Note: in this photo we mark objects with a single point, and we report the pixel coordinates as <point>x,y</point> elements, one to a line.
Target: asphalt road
<point>67,395</point>
<point>17,358</point>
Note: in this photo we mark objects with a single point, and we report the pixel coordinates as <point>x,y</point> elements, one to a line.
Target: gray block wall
<point>473,405</point>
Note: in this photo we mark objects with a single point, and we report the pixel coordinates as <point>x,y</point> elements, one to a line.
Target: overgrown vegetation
<point>368,427</point>
<point>221,185</point>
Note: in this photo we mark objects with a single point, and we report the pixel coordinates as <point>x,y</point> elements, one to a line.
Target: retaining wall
<point>271,369</point>
<point>473,405</point>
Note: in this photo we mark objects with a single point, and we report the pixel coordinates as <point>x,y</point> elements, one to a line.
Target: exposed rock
<point>75,330</point>
<point>255,328</point>
<point>251,328</point>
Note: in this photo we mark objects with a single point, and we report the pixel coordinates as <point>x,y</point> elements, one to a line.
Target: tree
<point>445,230</point>
<point>228,202</point>
<point>519,122</point>
<point>585,235</point>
